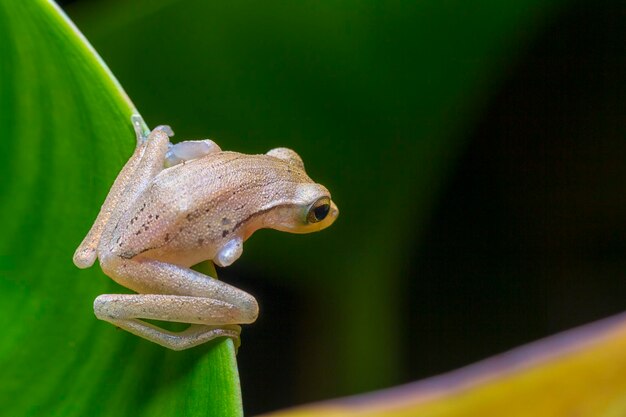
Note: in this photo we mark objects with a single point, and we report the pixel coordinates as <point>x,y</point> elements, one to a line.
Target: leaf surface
<point>66,134</point>
<point>578,373</point>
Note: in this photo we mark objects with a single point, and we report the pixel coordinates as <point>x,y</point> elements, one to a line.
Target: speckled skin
<point>224,193</point>
<point>157,222</point>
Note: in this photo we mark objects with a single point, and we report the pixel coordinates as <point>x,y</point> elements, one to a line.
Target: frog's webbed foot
<point>173,293</point>
<point>188,150</point>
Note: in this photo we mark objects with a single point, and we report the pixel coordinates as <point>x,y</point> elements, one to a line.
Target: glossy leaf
<point>65,123</point>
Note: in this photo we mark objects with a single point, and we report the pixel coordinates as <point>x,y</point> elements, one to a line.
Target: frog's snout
<point>334,211</point>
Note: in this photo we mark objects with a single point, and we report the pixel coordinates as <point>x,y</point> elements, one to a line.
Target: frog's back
<point>190,209</point>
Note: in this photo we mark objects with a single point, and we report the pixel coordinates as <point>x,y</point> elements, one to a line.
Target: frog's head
<point>310,210</point>
<point>308,207</point>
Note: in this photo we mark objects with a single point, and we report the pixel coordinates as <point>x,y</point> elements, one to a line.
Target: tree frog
<point>174,206</point>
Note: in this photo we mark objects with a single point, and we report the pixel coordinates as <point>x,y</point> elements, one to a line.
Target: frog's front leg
<point>173,293</point>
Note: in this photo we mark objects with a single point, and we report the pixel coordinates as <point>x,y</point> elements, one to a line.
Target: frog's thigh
<point>155,277</point>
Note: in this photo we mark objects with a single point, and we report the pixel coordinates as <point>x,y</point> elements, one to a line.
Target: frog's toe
<point>140,127</point>
<point>165,129</point>
<point>230,252</point>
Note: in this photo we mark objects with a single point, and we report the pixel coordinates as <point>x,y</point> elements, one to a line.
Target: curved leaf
<point>67,133</point>
<point>577,373</point>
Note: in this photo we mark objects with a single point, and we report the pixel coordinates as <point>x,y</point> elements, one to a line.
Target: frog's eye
<point>318,210</point>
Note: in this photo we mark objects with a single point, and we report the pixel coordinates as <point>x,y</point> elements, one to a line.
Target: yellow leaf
<point>580,373</point>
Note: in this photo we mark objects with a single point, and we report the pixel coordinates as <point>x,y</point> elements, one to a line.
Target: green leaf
<point>66,130</point>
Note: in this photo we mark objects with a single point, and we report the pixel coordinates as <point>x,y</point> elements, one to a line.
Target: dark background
<point>477,155</point>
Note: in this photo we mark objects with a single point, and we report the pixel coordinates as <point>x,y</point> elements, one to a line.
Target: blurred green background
<point>476,151</point>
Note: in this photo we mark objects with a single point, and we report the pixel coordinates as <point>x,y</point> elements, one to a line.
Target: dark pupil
<point>321,212</point>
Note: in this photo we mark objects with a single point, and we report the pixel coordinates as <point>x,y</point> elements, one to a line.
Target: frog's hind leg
<point>143,165</point>
<point>172,293</point>
<point>127,311</point>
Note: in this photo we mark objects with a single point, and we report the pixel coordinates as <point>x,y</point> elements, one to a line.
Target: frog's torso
<point>188,211</point>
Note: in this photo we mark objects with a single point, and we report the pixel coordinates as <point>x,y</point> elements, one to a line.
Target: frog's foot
<point>165,129</point>
<point>127,310</point>
<point>194,335</point>
<point>188,150</point>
